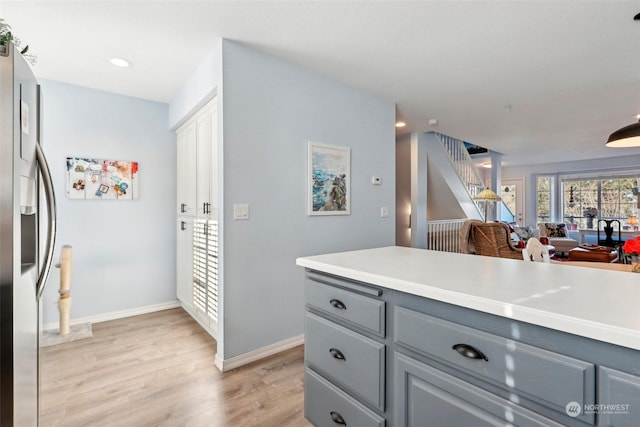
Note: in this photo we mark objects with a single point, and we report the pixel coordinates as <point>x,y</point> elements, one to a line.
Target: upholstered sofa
<point>558,236</point>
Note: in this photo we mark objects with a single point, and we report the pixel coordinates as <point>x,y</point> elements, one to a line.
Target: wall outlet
<point>384,212</point>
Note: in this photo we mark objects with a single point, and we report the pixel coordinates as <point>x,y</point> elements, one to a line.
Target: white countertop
<point>600,304</point>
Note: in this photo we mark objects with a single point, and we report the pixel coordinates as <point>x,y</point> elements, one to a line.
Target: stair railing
<point>462,163</point>
<point>444,235</point>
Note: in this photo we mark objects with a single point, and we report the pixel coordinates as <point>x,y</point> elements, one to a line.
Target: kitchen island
<point>408,337</point>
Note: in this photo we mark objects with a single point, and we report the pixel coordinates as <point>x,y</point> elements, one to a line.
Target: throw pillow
<point>555,230</point>
<point>524,233</point>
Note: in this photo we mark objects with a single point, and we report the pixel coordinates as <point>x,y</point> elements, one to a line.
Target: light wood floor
<point>157,370</point>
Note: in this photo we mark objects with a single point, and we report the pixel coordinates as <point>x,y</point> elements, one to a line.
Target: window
<point>587,199</point>
<point>544,184</point>
<point>508,206</point>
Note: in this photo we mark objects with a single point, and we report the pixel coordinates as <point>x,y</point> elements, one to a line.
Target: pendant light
<point>628,136</point>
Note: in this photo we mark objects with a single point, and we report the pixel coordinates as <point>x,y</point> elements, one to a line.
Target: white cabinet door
<point>184,261</point>
<point>197,192</point>
<point>186,170</point>
<point>213,161</point>
<point>203,163</point>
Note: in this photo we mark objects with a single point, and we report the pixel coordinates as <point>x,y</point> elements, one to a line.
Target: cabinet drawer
<point>551,379</point>
<point>352,360</point>
<point>429,397</point>
<point>327,406</point>
<point>618,398</point>
<point>359,310</point>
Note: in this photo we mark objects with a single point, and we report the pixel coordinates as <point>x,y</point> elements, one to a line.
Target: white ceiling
<point>569,70</point>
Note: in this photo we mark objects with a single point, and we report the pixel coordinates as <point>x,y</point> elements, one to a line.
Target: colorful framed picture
<point>99,179</point>
<point>329,179</point>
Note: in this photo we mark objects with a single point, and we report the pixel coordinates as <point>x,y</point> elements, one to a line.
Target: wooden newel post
<point>64,303</point>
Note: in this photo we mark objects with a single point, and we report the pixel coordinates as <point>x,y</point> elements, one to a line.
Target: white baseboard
<point>243,359</point>
<point>116,314</point>
<point>210,329</point>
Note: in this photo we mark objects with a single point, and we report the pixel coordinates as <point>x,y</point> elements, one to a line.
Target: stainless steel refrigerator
<point>27,237</point>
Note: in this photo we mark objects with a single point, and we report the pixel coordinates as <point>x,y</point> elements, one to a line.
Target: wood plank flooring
<point>157,370</point>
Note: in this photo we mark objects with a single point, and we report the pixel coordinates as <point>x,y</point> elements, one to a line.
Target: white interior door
<point>512,193</point>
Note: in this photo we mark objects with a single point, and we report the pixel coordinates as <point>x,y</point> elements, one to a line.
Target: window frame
<point>599,178</point>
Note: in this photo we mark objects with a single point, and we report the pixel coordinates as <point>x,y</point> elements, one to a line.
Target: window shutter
<point>205,268</point>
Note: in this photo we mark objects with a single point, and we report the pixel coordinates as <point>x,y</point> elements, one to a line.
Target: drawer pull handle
<point>337,418</point>
<point>337,354</point>
<point>469,351</point>
<point>338,304</point>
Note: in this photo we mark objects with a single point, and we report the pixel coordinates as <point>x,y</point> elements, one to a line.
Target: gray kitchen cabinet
<point>429,397</point>
<point>348,358</point>
<point>619,402</point>
<point>345,353</point>
<point>408,361</point>
<point>547,377</point>
<point>326,405</point>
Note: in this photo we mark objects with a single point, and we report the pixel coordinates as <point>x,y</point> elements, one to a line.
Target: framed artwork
<point>329,178</point>
<point>99,179</point>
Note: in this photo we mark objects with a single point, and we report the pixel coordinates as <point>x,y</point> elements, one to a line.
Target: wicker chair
<point>494,239</point>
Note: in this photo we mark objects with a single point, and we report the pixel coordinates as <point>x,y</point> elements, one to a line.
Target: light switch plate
<point>384,212</point>
<point>240,211</point>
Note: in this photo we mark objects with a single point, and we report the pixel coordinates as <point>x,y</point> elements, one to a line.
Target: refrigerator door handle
<point>51,215</point>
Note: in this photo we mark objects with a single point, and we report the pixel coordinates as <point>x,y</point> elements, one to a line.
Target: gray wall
<point>441,202</point>
<point>123,251</point>
<point>271,109</point>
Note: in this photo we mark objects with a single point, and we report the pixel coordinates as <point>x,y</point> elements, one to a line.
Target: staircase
<point>453,162</point>
<point>462,163</point>
<point>456,167</point>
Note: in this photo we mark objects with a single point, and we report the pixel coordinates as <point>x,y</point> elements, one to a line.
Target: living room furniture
<point>535,251</point>
<point>494,239</point>
<point>607,228</point>
<point>466,346</point>
<point>600,265</point>
<point>593,232</point>
<point>593,255</point>
<point>466,242</point>
<point>557,235</point>
<point>487,196</point>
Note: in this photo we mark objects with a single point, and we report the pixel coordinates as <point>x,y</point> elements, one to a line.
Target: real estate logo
<point>573,409</point>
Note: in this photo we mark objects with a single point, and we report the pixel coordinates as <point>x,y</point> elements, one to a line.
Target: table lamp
<point>487,196</point>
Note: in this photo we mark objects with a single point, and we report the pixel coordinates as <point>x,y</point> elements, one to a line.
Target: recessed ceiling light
<point>400,124</point>
<point>432,122</point>
<point>119,62</point>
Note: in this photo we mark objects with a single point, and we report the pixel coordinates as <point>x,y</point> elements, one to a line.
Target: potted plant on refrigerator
<point>6,37</point>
